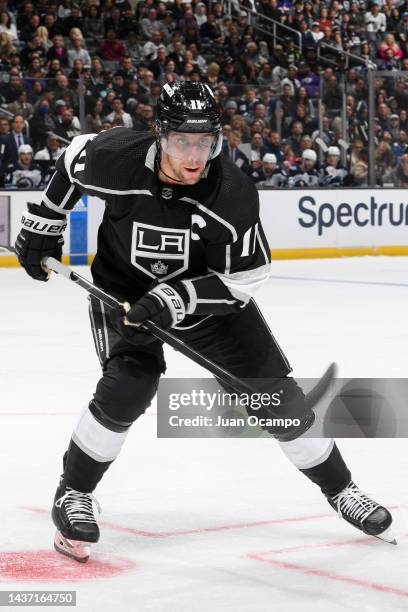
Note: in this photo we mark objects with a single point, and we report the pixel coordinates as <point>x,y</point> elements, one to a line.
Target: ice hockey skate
<point>73,515</point>
<point>352,505</point>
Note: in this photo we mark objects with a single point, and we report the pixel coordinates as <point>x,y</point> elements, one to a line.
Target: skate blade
<point>75,549</point>
<point>387,536</point>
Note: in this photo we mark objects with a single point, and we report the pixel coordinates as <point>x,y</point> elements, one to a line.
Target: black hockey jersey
<point>207,235</point>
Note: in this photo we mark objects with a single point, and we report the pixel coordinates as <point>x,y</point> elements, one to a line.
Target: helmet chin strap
<point>168,175</point>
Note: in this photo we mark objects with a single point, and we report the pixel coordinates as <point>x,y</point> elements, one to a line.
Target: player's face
<point>186,155</point>
<point>26,158</point>
<point>332,160</point>
<point>308,164</point>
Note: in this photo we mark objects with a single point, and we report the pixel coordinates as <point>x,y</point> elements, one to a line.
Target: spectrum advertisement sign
<point>324,219</point>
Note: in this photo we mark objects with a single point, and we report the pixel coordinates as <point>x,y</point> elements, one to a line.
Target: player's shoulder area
<point>237,197</point>
<point>113,158</point>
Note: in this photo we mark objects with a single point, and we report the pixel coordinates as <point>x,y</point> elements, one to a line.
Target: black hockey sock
<point>81,472</point>
<point>332,475</point>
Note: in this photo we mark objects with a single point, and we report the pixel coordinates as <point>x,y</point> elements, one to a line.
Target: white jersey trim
<point>211,213</point>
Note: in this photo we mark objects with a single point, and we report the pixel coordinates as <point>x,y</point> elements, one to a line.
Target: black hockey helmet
<point>184,106</point>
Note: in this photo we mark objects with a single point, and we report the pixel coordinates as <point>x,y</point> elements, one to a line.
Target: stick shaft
<point>165,336</point>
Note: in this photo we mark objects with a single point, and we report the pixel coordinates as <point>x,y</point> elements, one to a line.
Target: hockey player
<point>25,173</point>
<point>332,173</point>
<point>305,174</point>
<point>273,175</point>
<point>181,240</point>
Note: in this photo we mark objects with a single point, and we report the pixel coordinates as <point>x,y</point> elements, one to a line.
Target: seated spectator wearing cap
<point>331,172</point>
<point>13,141</point>
<point>230,109</point>
<point>24,173</point>
<point>305,173</point>
<point>231,150</point>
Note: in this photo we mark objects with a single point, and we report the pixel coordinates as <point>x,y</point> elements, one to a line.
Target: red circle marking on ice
<point>49,566</point>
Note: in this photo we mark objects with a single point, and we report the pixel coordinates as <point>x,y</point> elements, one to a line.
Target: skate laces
<point>354,503</point>
<point>78,506</point>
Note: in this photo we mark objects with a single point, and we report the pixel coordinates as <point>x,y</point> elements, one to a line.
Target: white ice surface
<point>206,522</point>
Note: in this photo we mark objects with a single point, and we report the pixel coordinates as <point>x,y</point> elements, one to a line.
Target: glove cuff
<point>43,226</point>
<point>171,298</point>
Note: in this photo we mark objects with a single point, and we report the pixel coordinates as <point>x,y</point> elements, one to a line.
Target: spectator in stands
<point>256,146</point>
<point>400,146</point>
<point>47,157</point>
<point>41,123</point>
<point>66,92</point>
<point>384,163</point>
<point>93,120</point>
<point>68,125</point>
<point>291,80</point>
<point>57,51</point>
<point>232,151</point>
<point>358,163</point>
<point>273,145</point>
<point>295,137</point>
<point>93,24</point>
<point>389,44</point>
<point>78,52</point>
<point>7,26</point>
<point>112,49</point>
<point>230,109</point>
<point>151,47</point>
<point>13,141</point>
<point>4,128</point>
<point>74,20</point>
<point>143,118</point>
<point>119,114</point>
<point>30,29</point>
<point>146,78</point>
<point>24,173</point>
<point>21,106</point>
<point>375,22</point>
<point>400,175</point>
<point>149,24</point>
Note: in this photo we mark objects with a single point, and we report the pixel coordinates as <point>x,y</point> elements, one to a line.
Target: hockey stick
<point>161,334</point>
<point>312,398</point>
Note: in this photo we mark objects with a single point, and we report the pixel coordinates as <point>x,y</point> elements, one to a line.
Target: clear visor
<point>189,147</point>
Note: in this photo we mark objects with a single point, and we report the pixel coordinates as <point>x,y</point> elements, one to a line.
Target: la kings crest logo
<point>160,251</point>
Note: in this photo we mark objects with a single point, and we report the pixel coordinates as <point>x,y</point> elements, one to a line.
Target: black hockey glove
<point>165,305</point>
<point>40,236</point>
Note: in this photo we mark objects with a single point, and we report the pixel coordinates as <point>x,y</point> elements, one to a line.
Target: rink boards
<point>299,224</point>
